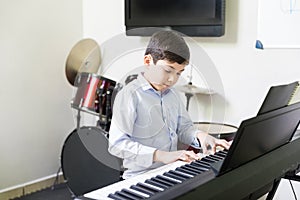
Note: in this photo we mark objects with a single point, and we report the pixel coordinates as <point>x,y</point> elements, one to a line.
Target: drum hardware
<point>190,90</point>
<point>101,97</point>
<point>105,117</point>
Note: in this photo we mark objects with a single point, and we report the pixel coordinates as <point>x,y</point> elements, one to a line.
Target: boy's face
<point>162,75</point>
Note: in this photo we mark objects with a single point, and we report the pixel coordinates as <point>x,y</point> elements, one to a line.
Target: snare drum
<point>218,130</point>
<point>91,95</point>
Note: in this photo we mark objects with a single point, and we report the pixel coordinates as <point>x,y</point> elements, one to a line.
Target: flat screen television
<point>198,18</point>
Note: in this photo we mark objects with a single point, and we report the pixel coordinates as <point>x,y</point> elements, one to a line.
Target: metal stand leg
<point>56,179</point>
<point>78,119</point>
<point>292,175</point>
<point>188,97</point>
<point>273,191</point>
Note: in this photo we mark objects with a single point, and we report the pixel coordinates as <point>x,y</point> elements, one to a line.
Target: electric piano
<point>263,151</point>
<point>239,183</point>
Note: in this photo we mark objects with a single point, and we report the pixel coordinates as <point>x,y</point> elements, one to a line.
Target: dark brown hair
<point>168,45</point>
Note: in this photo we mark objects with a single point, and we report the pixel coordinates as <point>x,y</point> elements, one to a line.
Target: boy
<point>149,117</point>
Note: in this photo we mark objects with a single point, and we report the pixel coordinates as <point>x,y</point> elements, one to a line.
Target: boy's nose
<point>171,78</point>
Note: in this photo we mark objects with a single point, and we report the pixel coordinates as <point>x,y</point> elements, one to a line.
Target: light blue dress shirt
<point>145,120</point>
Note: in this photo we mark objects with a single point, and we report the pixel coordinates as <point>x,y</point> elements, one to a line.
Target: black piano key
<point>192,168</point>
<point>203,163</point>
<point>184,175</point>
<point>217,157</point>
<point>223,153</point>
<point>197,167</point>
<point>149,188</point>
<point>136,195</point>
<point>219,153</point>
<point>162,181</point>
<point>169,179</point>
<point>126,195</point>
<point>155,183</point>
<point>116,197</point>
<point>207,159</point>
<point>174,176</point>
<point>200,164</point>
<point>213,158</point>
<point>186,171</point>
<point>143,190</point>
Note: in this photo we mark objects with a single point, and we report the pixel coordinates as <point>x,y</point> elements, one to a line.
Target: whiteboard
<point>278,24</point>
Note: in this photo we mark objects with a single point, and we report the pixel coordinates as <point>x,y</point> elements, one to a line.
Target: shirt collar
<point>145,85</point>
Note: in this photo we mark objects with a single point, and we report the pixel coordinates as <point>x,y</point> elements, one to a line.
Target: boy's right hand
<point>169,157</point>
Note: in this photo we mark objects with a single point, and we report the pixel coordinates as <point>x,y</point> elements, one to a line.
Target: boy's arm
<point>122,146</point>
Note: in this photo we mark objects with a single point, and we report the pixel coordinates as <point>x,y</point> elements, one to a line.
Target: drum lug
<point>81,102</point>
<point>89,78</point>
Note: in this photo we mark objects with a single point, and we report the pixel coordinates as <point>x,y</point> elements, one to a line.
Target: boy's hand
<point>169,157</point>
<point>209,143</point>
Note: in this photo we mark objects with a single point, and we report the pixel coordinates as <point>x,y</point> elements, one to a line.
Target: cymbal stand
<point>188,98</point>
<point>78,114</point>
<point>189,95</point>
<point>78,119</point>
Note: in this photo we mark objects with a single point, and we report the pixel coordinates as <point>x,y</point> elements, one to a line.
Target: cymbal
<point>85,56</point>
<point>192,89</point>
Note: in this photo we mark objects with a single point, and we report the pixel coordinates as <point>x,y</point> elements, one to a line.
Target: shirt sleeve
<point>187,132</point>
<point>121,143</point>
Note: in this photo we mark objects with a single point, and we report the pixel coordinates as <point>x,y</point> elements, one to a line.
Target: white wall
<point>35,39</point>
<point>35,115</point>
<point>246,73</point>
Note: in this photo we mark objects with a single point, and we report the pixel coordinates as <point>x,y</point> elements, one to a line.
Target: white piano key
<point>103,193</point>
<point>172,179</point>
<point>155,187</point>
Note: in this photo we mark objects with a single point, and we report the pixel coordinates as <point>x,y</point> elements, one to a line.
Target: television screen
<point>191,17</point>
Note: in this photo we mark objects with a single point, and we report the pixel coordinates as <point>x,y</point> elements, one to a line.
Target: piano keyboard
<point>150,184</point>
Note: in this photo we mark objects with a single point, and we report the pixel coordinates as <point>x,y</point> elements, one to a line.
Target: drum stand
<point>78,119</point>
<point>188,98</point>
<point>105,119</point>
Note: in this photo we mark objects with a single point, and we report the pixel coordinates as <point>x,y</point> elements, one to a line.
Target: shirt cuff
<point>145,156</point>
<point>195,143</point>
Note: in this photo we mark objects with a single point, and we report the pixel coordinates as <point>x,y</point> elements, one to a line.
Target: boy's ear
<point>148,60</point>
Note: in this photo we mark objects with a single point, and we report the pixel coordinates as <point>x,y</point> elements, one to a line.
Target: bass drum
<point>86,163</point>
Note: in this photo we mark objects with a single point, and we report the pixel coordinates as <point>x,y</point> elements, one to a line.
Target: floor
<point>58,192</point>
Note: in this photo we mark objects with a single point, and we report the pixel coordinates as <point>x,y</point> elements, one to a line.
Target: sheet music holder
<point>278,97</point>
<point>259,135</point>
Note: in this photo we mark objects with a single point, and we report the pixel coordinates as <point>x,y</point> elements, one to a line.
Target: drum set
<point>93,95</point>
<point>85,161</point>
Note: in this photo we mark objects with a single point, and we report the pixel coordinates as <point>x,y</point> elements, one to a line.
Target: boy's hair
<point>168,45</point>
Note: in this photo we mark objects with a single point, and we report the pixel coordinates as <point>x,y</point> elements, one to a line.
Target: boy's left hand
<point>209,143</point>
